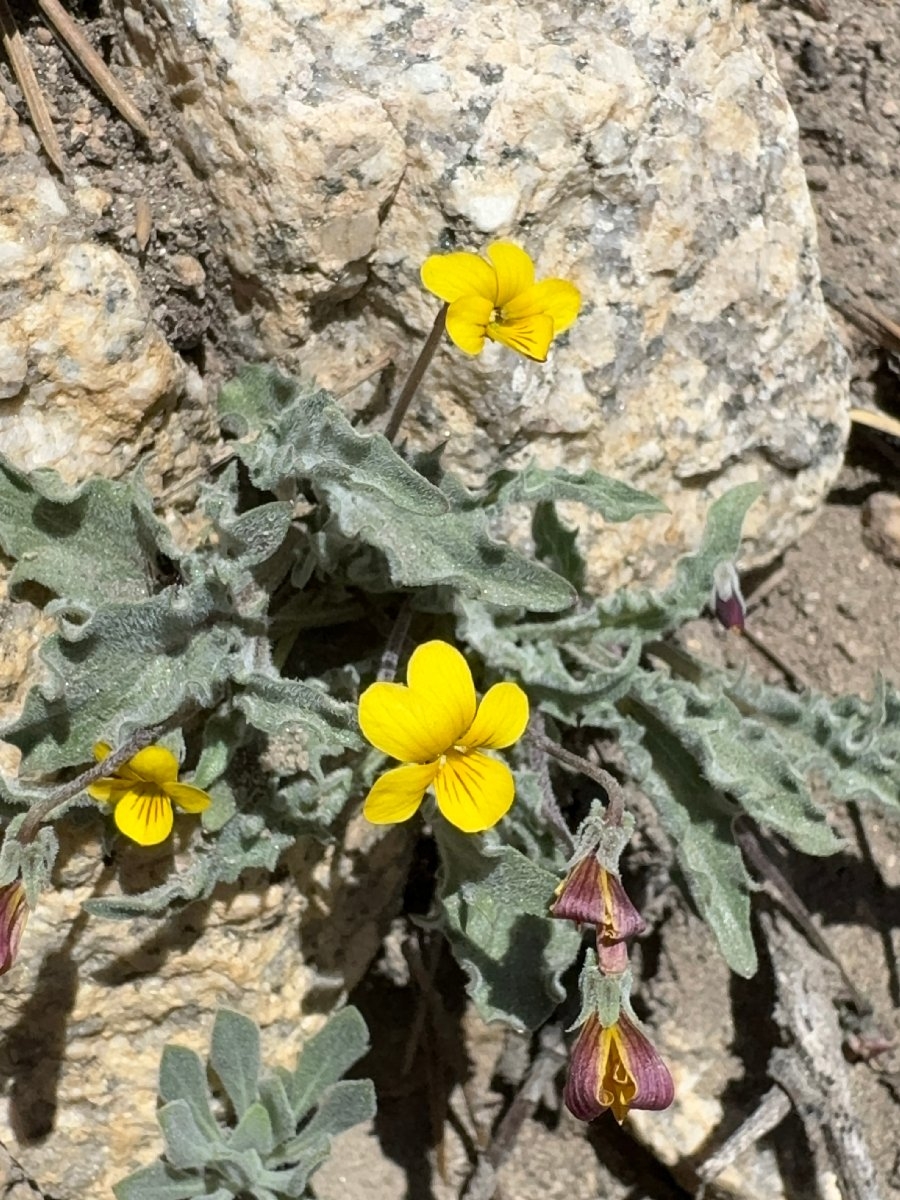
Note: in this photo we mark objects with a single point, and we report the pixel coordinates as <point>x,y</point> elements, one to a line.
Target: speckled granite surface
<point>645,151</point>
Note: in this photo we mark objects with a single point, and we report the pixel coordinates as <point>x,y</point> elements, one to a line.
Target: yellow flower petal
<point>144,814</point>
<point>398,793</point>
<point>102,750</point>
<point>467,322</point>
<point>108,790</point>
<point>554,298</point>
<point>188,798</point>
<point>474,791</point>
<point>501,718</point>
<point>441,681</point>
<point>515,271</point>
<point>155,764</point>
<point>398,723</point>
<point>531,336</point>
<point>452,276</point>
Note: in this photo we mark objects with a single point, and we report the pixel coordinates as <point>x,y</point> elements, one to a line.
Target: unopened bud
<point>727,599</point>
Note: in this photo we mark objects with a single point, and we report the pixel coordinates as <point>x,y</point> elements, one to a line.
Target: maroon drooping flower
<point>592,895</point>
<point>13,915</point>
<point>615,1067</point>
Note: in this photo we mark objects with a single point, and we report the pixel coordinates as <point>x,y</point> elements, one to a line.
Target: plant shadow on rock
<point>35,1046</point>
<point>418,1053</point>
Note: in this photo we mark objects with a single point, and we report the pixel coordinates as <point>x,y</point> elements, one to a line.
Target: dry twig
<point>20,61</point>
<point>94,65</point>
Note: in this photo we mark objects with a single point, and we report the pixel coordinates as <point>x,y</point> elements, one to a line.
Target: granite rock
<point>85,375</point>
<point>647,153</point>
<point>90,1003</point>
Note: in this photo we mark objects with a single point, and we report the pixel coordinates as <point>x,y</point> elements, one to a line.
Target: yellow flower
<point>615,1067</point>
<point>433,725</point>
<point>143,791</point>
<point>500,300</point>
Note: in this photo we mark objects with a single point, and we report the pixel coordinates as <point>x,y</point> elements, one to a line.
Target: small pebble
<point>187,270</point>
<point>881,525</point>
<point>818,178</point>
<point>93,200</point>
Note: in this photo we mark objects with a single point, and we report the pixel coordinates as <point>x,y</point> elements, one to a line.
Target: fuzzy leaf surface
<point>494,910</point>
<point>854,744</point>
<point>126,667</point>
<point>644,613</point>
<point>91,545</point>
<point>159,1181</point>
<point>245,842</point>
<point>698,820</point>
<point>235,1057</point>
<point>614,500</point>
<point>737,755</point>
<point>182,1076</point>
<point>294,438</point>
<point>187,1147</point>
<point>347,1103</point>
<point>326,1057</point>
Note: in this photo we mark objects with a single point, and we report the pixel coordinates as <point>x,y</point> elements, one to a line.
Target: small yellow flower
<point>143,791</point>
<point>500,300</point>
<point>434,726</point>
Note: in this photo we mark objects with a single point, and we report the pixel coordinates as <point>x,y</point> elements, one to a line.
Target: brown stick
<point>403,401</point>
<point>20,61</point>
<point>94,65</point>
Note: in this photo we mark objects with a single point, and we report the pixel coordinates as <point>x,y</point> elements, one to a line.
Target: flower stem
<point>403,401</point>
<point>615,807</point>
<point>40,811</point>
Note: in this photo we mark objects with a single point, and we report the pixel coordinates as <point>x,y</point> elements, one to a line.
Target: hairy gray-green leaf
<point>273,1094</point>
<point>853,744</point>
<point>738,755</point>
<point>698,820</point>
<point>614,500</point>
<point>562,663</point>
<point>646,613</point>
<point>235,1057</point>
<point>302,435</point>
<point>127,667</point>
<point>376,497</point>
<point>245,842</point>
<point>182,1076</point>
<point>494,906</point>
<point>160,1181</point>
<point>187,1146</point>
<point>273,704</point>
<point>91,545</point>
<point>556,545</point>
<point>347,1103</point>
<point>254,1131</point>
<point>325,1057</point>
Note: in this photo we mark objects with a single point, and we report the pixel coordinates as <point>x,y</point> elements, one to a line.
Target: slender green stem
<point>403,401</point>
<point>40,811</point>
<point>615,807</point>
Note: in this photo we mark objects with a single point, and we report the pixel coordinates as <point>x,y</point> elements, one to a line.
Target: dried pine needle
<point>20,62</point>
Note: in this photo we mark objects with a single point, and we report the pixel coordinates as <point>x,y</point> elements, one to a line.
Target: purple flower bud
<point>727,598</point>
<point>592,895</point>
<point>13,915</point>
<point>615,1067</point>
